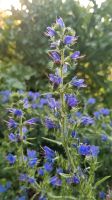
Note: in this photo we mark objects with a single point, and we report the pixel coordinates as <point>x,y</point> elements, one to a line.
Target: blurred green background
<point>24,63</point>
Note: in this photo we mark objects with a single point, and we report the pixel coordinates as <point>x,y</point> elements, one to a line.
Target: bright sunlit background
<point>6,4</point>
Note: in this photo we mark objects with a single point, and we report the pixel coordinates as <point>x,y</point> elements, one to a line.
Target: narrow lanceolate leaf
<point>101,181</point>
<point>65,175</point>
<point>53,141</point>
<point>61,197</point>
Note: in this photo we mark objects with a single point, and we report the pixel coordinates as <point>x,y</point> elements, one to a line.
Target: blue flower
<point>11,158</point>
<point>31,180</point>
<point>104,111</point>
<point>18,112</point>
<point>32,158</point>
<point>32,96</point>
<point>78,114</point>
<point>16,137</point>
<point>75,55</point>
<point>26,103</point>
<point>84,150</point>
<point>102,195</point>
<point>69,39</point>
<point>91,101</point>
<point>78,82</point>
<point>76,180</point>
<point>97,114</point>
<point>87,150</point>
<point>41,172</point>
<point>24,129</point>
<point>32,121</point>
<point>104,137</point>
<point>55,79</point>
<point>50,32</point>
<point>86,120</point>
<point>55,181</point>
<point>94,150</point>
<point>60,22</point>
<point>12,137</point>
<point>26,178</point>
<point>4,188</point>
<point>12,124</point>
<point>49,123</point>
<point>53,104</point>
<point>49,153</point>
<point>55,56</point>
<point>71,100</point>
<point>48,167</point>
<point>74,134</point>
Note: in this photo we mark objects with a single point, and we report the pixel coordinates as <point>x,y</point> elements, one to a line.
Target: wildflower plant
<point>65,167</point>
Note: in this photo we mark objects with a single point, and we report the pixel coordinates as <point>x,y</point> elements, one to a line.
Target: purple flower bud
<point>60,22</point>
<point>41,172</point>
<point>71,100</point>
<point>97,114</point>
<point>102,195</point>
<point>55,56</point>
<point>55,181</point>
<point>49,123</point>
<point>104,137</point>
<point>32,121</point>
<point>91,101</point>
<point>49,153</point>
<point>76,180</point>
<point>55,79</point>
<point>88,150</point>
<point>12,123</point>
<point>69,39</point>
<point>16,112</point>
<point>53,104</point>
<point>12,137</point>
<point>86,120</point>
<point>48,166</point>
<point>32,158</point>
<point>78,82</point>
<point>31,180</point>
<point>50,32</point>
<point>94,150</point>
<point>11,158</point>
<point>74,134</point>
<point>75,55</point>
<point>104,111</point>
<point>84,150</point>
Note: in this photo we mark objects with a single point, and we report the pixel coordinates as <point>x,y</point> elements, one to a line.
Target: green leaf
<point>101,181</point>
<point>65,175</point>
<point>61,197</point>
<point>53,141</point>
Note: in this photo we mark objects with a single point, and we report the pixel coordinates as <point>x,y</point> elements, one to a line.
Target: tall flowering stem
<point>63,56</point>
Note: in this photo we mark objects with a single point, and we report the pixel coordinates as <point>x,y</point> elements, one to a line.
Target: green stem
<point>21,135</point>
<point>63,118</point>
